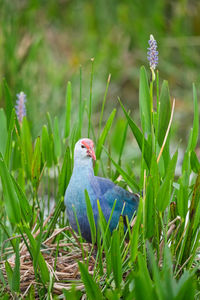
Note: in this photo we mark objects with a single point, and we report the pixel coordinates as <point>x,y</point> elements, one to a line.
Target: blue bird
<point>105,190</point>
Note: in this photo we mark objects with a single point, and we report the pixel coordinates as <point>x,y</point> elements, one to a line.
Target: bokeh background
<point>43,44</point>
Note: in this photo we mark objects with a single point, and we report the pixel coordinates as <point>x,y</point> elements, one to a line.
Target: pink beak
<point>90,150</point>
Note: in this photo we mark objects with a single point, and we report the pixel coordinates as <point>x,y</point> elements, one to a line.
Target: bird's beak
<point>91,153</point>
<point>90,150</point>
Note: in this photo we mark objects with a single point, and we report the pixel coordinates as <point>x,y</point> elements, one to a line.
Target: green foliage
<point>155,253</point>
<point>8,100</point>
<point>9,273</point>
<point>141,140</point>
<point>38,259</point>
<point>145,102</point>
<point>72,294</point>
<point>3,131</point>
<point>65,173</point>
<point>163,120</point>
<point>92,289</point>
<point>9,138</point>
<point>90,217</point>
<point>68,109</point>
<point>57,140</point>
<point>23,201</point>
<point>130,181</point>
<point>26,144</point>
<point>16,271</point>
<point>195,127</point>
<point>164,193</point>
<point>36,163</point>
<point>116,259</point>
<point>149,211</point>
<point>12,205</point>
<point>135,233</point>
<point>104,134</point>
<point>47,154</point>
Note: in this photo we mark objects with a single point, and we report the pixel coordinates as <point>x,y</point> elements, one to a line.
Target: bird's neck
<point>83,167</point>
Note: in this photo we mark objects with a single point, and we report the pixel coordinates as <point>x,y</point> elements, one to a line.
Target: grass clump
<point>157,256</point>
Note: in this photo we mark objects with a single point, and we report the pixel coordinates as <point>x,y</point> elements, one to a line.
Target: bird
<point>98,188</point>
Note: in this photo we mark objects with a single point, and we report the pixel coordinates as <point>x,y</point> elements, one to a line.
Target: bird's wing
<point>111,192</point>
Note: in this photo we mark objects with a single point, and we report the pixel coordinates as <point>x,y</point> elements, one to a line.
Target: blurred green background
<point>43,44</point>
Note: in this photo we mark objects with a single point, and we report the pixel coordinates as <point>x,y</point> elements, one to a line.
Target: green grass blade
<point>16,271</point>
<point>121,229</point>
<point>195,204</point>
<point>193,137</point>
<point>49,123</point>
<point>72,294</point>
<point>139,137</point>
<point>90,99</point>
<point>92,289</point>
<point>104,227</point>
<point>120,147</point>
<point>90,217</point>
<point>65,173</point>
<point>36,164</point>
<point>23,201</point>
<point>116,258</point>
<point>3,131</point>
<point>26,142</point>
<point>44,272</point>
<point>10,196</point>
<point>46,147</point>
<point>51,138</point>
<point>186,287</point>
<point>106,235</point>
<point>52,224</point>
<point>145,102</point>
<point>79,230</point>
<point>143,283</point>
<point>164,113</point>
<point>104,101</point>
<point>9,139</point>
<point>81,105</point>
<point>123,142</point>
<point>68,109</point>
<point>135,232</point>
<point>195,127</point>
<point>169,281</point>
<point>163,120</point>
<point>57,138</point>
<point>130,181</point>
<point>2,279</point>
<point>149,210</point>
<point>164,193</point>
<point>37,253</point>
<point>142,289</point>
<point>192,214</point>
<point>194,162</point>
<point>104,134</point>
<point>8,101</point>
<point>154,171</point>
<point>182,195</point>
<point>9,273</point>
<point>156,275</point>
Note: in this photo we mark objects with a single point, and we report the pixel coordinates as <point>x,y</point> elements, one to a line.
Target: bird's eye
<point>82,146</point>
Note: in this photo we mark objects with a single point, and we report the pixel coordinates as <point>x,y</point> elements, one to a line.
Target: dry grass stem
<point>66,269</point>
<point>167,132</point>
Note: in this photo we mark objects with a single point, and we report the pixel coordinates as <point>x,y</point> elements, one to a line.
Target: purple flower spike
<point>152,53</point>
<point>20,107</point>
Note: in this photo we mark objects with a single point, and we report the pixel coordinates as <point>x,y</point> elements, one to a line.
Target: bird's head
<point>84,150</point>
